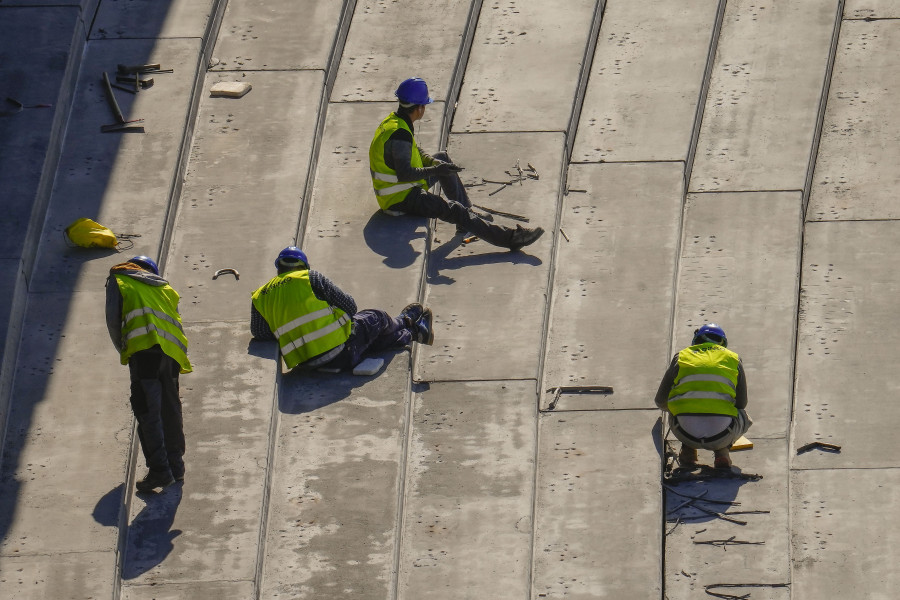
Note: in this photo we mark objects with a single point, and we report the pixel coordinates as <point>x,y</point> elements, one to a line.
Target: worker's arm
<point>114,312</point>
<point>740,398</point>
<point>398,156</point>
<point>259,328</point>
<point>326,291</point>
<point>665,386</point>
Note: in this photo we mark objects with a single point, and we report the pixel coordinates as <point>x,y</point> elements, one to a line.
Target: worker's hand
<point>445,168</point>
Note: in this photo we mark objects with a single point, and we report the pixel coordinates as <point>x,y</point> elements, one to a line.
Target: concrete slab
<point>374,257</point>
<point>486,300</point>
<point>121,180</point>
<point>204,590</point>
<point>63,576</point>
<point>598,505</point>
<point>871,9</point>
<point>844,539</point>
<point>207,529</point>
<point>763,99</point>
<point>610,282</point>
<point>645,81</point>
<point>67,439</point>
<point>31,44</point>
<point>278,36</point>
<point>523,68</point>
<point>334,494</point>
<point>844,390</point>
<point>371,72</point>
<point>152,19</point>
<point>692,562</point>
<point>242,158</point>
<point>745,279</point>
<point>467,525</point>
<point>855,176</point>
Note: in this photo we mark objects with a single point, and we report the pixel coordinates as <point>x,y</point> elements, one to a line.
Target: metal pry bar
<point>225,271</point>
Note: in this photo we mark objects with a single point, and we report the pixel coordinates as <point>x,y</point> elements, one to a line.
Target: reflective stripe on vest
<point>304,325</point>
<point>150,318</point>
<point>706,382</point>
<point>382,175</point>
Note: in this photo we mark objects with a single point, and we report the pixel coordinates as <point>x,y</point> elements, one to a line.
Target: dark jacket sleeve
<point>259,328</point>
<point>740,399</point>
<point>114,312</point>
<point>398,156</point>
<point>665,386</point>
<point>327,291</point>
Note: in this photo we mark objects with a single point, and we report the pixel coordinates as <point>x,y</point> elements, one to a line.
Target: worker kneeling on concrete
<point>402,173</point>
<point>316,323</point>
<point>704,391</point>
<point>145,327</point>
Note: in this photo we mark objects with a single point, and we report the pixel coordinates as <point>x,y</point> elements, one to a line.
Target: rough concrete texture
<point>647,69</point>
<point>767,79</point>
<point>427,48</point>
<point>445,475</point>
<point>854,177</point>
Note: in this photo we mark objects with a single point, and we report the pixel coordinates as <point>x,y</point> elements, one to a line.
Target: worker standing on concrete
<point>704,391</point>
<point>316,323</point>
<point>402,174</point>
<point>145,327</point>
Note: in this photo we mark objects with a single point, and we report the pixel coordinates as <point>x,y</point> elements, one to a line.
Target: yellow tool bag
<point>87,233</point>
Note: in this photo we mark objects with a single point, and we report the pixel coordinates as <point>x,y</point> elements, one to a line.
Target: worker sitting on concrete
<point>704,391</point>
<point>316,323</point>
<point>144,325</point>
<point>402,174</point>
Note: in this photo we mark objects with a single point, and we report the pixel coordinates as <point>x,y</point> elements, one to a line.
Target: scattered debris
<point>19,107</point>
<point>729,542</point>
<point>234,272</point>
<point>563,232</point>
<point>229,89</point>
<point>575,191</point>
<point>121,124</point>
<point>709,500</point>
<point>712,586</point>
<point>369,366</point>
<point>576,389</point>
<point>834,448</point>
<point>470,239</point>
<point>500,213</point>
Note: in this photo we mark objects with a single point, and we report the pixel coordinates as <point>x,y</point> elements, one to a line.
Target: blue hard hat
<point>291,258</point>
<point>413,91</point>
<point>710,333</point>
<point>146,262</point>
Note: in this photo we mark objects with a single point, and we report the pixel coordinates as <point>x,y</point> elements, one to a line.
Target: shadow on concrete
<point>305,391</point>
<point>439,260</point>
<point>106,512</point>
<point>150,535</point>
<point>389,237</point>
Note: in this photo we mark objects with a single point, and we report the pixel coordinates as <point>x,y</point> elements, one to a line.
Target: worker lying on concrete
<point>402,174</point>
<point>704,391</point>
<point>144,325</point>
<point>316,323</point>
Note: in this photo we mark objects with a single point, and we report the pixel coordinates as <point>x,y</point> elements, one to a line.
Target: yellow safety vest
<point>388,190</point>
<point>150,317</point>
<point>706,382</point>
<point>304,325</point>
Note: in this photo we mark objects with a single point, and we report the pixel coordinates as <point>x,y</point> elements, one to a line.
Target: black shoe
<point>152,480</point>
<point>523,236</point>
<point>412,313</point>
<point>423,329</point>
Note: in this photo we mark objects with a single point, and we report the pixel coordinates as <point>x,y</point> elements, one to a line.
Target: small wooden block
<point>229,89</point>
<point>742,444</point>
<point>370,366</point>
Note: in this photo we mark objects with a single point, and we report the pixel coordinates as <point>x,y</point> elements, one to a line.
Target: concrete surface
<point>445,475</point>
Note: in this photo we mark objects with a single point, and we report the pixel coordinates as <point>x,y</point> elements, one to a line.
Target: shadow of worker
<point>150,535</point>
<point>391,237</point>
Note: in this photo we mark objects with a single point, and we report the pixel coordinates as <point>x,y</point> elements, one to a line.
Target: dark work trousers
<point>373,330</point>
<point>157,408</point>
<point>455,208</point>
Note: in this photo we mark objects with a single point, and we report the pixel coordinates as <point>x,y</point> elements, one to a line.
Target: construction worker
<point>704,392</point>
<point>402,174</point>
<point>144,325</point>
<point>316,323</point>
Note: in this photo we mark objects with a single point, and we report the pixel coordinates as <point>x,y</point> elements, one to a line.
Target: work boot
<point>688,456</point>
<point>723,459</point>
<point>523,236</point>
<point>412,313</point>
<point>153,480</point>
<point>423,331</point>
